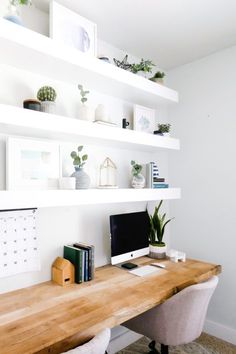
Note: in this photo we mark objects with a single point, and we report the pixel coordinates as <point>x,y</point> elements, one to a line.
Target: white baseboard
<point>220,331</point>
<point>121,337</point>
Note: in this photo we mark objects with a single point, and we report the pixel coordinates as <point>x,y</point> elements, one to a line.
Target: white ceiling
<point>169,32</point>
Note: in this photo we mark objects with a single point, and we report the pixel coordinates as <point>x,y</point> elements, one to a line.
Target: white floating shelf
<point>28,50</point>
<point>60,198</point>
<point>24,122</point>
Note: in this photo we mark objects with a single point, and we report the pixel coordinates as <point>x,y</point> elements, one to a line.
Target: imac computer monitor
<point>129,236</point>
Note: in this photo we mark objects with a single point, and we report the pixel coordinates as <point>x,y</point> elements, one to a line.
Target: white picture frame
<point>69,28</point>
<point>144,119</point>
<point>32,164</point>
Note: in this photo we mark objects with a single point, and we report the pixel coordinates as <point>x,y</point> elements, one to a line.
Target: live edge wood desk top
<point>48,318</point>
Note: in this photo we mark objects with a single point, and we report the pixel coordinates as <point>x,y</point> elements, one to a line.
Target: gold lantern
<point>108,174</point>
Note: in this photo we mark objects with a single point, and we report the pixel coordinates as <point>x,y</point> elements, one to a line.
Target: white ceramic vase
<point>48,107</point>
<point>138,181</point>
<point>82,178</point>
<point>86,113</point>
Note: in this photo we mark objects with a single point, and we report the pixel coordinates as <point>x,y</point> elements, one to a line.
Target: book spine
<point>86,253</point>
<point>160,185</point>
<point>75,257</point>
<point>92,262</point>
<point>90,258</point>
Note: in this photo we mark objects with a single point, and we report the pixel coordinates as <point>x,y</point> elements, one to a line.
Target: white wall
<point>205,222</point>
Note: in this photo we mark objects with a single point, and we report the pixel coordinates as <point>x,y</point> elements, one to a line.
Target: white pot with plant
<point>85,112</point>
<point>163,129</point>
<point>157,248</point>
<point>47,95</point>
<point>158,77</point>
<point>82,179</point>
<point>138,180</point>
<point>13,10</point>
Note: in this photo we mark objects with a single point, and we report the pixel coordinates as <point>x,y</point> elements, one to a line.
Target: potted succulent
<point>13,13</point>
<point>163,129</point>
<point>144,67</point>
<point>158,222</point>
<point>82,179</point>
<point>85,112</point>
<point>158,77</point>
<point>47,95</point>
<point>138,180</point>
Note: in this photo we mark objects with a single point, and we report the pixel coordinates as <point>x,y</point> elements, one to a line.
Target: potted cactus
<point>85,112</point>
<point>82,179</point>
<point>13,10</point>
<point>158,222</point>
<point>47,95</point>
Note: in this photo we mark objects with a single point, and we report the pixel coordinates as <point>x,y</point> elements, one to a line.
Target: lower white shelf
<point>60,198</point>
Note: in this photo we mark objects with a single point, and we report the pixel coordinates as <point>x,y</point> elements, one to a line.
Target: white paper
<point>145,270</point>
<point>19,251</point>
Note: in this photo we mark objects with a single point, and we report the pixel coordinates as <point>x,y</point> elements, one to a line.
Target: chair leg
<point>164,349</point>
<point>152,347</point>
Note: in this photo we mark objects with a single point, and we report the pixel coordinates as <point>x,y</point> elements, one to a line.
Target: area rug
<point>205,344</point>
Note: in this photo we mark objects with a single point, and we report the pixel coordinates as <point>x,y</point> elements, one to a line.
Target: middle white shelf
<point>24,122</point>
<point>59,198</point>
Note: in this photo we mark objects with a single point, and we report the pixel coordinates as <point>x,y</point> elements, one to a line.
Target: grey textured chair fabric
<point>180,319</point>
<point>97,345</point>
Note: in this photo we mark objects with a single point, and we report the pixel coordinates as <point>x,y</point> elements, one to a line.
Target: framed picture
<point>68,27</point>
<point>32,164</point>
<point>144,119</point>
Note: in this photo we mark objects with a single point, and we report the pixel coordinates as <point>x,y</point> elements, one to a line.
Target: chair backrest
<point>97,345</point>
<point>181,318</point>
<point>178,320</point>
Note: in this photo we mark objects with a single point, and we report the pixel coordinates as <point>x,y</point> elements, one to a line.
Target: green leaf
<point>73,154</point>
<point>85,157</point>
<point>80,148</point>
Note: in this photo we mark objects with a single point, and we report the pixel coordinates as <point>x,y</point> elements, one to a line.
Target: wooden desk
<point>49,318</point>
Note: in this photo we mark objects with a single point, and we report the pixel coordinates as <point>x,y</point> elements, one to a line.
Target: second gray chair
<point>179,320</point>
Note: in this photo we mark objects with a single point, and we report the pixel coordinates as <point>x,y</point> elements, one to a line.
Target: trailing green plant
<point>157,227</point>
<point>20,2</point>
<point>78,160</point>
<point>47,93</point>
<point>144,65</point>
<point>164,128</point>
<point>159,75</point>
<point>83,94</point>
<point>136,168</point>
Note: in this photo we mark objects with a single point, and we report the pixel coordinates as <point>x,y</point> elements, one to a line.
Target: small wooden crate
<point>63,271</point>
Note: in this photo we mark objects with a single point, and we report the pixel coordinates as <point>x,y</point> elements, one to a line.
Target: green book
<point>75,256</point>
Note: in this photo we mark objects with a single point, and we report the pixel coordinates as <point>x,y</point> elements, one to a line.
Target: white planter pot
<point>157,252</point>
<point>138,181</point>
<point>86,113</point>
<point>48,107</point>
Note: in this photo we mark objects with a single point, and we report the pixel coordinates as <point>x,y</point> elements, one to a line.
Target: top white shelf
<point>28,50</point>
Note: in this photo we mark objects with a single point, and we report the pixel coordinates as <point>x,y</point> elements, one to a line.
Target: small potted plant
<point>85,112</point>
<point>158,77</point>
<point>82,179</point>
<point>138,180</point>
<point>144,67</point>
<point>47,95</point>
<point>13,10</point>
<point>158,222</point>
<point>163,129</point>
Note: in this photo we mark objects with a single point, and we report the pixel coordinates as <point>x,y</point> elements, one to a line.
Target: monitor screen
<point>129,236</point>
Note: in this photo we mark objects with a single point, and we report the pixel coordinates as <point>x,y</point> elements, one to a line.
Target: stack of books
<point>82,256</point>
<point>153,178</point>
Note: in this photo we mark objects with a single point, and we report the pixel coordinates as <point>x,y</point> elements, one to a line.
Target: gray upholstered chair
<point>97,345</point>
<point>179,320</point>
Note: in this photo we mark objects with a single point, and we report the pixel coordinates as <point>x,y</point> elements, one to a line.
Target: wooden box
<point>63,271</point>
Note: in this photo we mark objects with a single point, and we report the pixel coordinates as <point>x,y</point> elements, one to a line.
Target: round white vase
<point>82,178</point>
<point>48,107</point>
